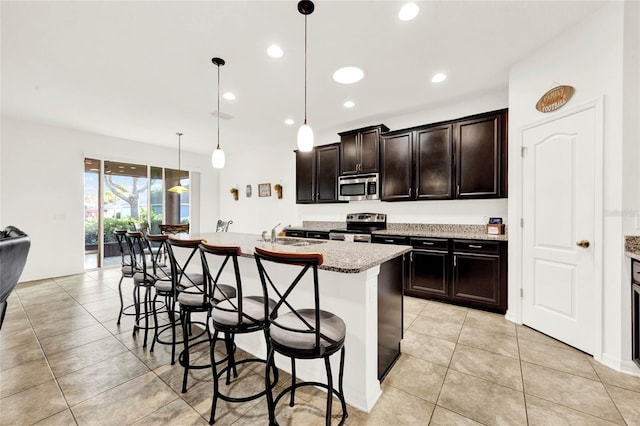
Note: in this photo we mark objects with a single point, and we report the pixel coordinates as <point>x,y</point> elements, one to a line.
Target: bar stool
<point>126,268</point>
<point>300,333</point>
<point>231,316</point>
<point>194,296</point>
<point>143,277</point>
<point>164,287</point>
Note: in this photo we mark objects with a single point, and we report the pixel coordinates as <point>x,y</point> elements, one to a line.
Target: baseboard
<point>624,366</point>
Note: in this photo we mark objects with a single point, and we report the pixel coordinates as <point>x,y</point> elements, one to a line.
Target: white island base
<point>353,297</point>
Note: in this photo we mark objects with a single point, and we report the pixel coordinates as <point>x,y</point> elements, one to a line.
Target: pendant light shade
<point>305,134</point>
<point>178,188</point>
<point>305,138</point>
<point>217,158</point>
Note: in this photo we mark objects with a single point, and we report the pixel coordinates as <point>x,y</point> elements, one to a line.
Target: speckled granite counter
<point>632,246</point>
<point>339,256</point>
<point>471,232</point>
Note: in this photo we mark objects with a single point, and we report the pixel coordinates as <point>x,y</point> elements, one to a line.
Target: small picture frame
<point>264,190</point>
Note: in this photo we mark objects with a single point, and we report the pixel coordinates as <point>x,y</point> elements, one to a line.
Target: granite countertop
<point>632,246</point>
<point>469,232</point>
<point>339,256</point>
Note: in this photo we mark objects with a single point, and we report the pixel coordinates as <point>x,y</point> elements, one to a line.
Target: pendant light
<point>305,134</point>
<point>217,158</point>
<point>178,188</point>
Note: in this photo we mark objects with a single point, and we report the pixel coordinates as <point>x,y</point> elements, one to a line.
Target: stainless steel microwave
<point>358,187</point>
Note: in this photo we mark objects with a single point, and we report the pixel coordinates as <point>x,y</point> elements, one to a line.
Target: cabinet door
<point>433,163</point>
<point>476,279</point>
<point>396,167</point>
<point>429,275</point>
<point>369,151</point>
<point>327,170</point>
<point>349,153</point>
<point>305,177</point>
<point>635,323</point>
<point>478,144</point>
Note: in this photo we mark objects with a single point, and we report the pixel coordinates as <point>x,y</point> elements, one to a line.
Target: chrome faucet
<point>273,233</point>
<point>264,236</point>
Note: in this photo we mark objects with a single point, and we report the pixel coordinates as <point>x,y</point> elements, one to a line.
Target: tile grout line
<point>46,359</point>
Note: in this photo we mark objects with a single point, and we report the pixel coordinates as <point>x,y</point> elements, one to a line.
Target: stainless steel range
<point>359,227</point>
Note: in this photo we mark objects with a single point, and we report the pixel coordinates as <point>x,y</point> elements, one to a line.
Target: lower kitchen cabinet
<point>429,268</point>
<point>480,274</point>
<point>635,311</point>
<point>465,272</point>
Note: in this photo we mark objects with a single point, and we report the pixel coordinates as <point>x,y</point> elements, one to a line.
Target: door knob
<point>582,243</point>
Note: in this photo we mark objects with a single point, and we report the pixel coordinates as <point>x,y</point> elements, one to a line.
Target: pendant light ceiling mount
<point>306,7</point>
<point>217,158</point>
<point>305,134</point>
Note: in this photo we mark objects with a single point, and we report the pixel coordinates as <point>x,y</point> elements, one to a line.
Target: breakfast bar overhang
<point>361,283</point>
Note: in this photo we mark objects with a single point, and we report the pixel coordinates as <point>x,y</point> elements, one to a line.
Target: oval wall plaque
<point>555,98</point>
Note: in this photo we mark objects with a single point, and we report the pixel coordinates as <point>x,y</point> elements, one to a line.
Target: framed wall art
<point>264,190</point>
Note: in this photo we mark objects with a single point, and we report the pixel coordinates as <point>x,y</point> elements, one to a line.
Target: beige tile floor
<point>63,360</point>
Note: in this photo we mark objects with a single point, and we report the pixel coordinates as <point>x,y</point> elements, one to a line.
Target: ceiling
<point>142,70</point>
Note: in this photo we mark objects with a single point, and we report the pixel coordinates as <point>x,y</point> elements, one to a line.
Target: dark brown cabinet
<point>479,274</point>
<point>480,166</point>
<point>416,164</point>
<point>465,272</point>
<point>359,149</point>
<point>465,158</point>
<point>635,311</point>
<point>317,175</point>
<point>430,264</point>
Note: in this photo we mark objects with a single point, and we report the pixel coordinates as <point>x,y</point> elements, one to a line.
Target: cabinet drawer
<point>390,239</point>
<point>319,235</point>
<point>635,271</point>
<point>476,246</point>
<point>294,233</point>
<point>430,243</point>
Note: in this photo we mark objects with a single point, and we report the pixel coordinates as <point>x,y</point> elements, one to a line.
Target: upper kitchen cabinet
<point>317,175</point>
<point>481,156</point>
<point>359,149</point>
<point>416,164</point>
<point>464,158</point>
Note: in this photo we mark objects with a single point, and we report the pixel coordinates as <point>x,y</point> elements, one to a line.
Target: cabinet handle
<point>427,243</point>
<point>388,241</point>
<point>474,246</point>
<point>409,192</point>
<point>458,190</point>
<point>455,260</point>
<point>411,256</point>
<point>317,196</point>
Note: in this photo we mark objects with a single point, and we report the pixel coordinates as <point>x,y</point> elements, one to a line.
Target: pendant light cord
<point>305,69</point>
<point>179,134</point>
<point>218,147</point>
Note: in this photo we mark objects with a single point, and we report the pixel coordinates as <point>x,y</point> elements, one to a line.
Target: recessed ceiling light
<point>275,51</point>
<point>348,75</point>
<point>229,96</point>
<point>288,122</point>
<point>438,78</point>
<point>349,104</point>
<point>408,11</point>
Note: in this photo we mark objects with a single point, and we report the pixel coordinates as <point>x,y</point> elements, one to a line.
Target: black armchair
<point>14,248</point>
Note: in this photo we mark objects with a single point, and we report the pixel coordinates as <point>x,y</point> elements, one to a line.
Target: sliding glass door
<point>126,196</point>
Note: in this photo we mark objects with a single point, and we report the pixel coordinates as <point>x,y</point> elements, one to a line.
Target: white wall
<point>256,214</point>
<point>42,177</point>
<point>589,57</point>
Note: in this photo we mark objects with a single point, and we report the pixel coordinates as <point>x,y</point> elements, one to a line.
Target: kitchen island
<point>361,283</point>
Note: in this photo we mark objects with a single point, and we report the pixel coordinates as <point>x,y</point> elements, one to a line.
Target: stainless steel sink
<point>296,243</point>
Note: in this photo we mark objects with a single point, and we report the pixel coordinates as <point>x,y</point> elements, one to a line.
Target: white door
<point>559,184</point>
